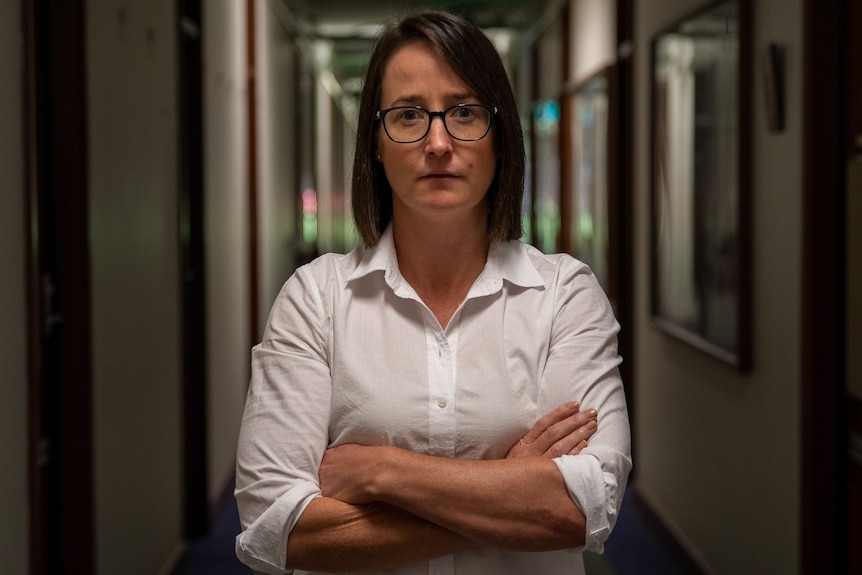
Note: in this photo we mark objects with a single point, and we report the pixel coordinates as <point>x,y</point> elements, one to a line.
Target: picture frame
<point>701,117</point>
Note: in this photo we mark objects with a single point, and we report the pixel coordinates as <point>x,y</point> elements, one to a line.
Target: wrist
<point>382,474</point>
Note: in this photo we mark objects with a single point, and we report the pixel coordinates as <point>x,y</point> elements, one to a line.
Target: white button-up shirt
<point>351,354</point>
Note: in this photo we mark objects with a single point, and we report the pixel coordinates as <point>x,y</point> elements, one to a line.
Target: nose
<point>438,140</point>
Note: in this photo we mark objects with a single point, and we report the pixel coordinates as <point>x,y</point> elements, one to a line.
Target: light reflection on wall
<point>547,120</point>
<point>309,216</point>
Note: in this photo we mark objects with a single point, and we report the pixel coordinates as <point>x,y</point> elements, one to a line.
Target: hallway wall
<point>279,117</point>
<point>718,451</point>
<point>226,229</point>
<point>135,260</point>
<point>14,540</point>
<point>593,25</point>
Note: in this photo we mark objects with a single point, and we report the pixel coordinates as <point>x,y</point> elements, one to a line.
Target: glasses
<point>408,124</point>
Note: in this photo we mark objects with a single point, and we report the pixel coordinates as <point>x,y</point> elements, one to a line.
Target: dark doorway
<point>831,415</point>
<point>58,274</point>
<point>853,283</point>
<point>195,508</point>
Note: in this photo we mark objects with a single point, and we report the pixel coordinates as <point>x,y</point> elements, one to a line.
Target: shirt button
<point>441,403</point>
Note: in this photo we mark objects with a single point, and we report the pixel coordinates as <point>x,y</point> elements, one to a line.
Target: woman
<point>415,404</point>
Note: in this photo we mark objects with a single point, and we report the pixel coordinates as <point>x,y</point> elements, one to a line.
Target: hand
<point>563,431</point>
<point>345,471</point>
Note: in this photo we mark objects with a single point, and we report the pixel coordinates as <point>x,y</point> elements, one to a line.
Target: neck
<point>441,262</point>
<point>444,251</point>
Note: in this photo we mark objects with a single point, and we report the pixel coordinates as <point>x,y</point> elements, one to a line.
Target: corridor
<point>167,165</point>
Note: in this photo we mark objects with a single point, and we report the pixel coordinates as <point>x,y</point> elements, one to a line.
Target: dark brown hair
<point>475,60</point>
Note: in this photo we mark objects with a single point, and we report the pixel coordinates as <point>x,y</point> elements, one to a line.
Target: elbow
<point>567,529</point>
<point>553,530</point>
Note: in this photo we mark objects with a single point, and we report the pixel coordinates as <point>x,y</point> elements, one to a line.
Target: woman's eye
<point>463,113</point>
<point>408,116</point>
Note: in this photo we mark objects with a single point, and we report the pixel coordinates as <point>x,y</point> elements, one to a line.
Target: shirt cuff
<point>263,545</point>
<point>596,493</point>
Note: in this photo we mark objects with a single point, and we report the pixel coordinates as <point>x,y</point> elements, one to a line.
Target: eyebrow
<point>414,99</point>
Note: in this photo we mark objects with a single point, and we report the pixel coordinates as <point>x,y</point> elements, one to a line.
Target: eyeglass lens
<point>410,124</point>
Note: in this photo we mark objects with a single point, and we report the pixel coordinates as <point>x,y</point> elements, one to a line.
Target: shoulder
<point>330,267</point>
<point>314,282</point>
<point>554,268</point>
<point>571,283</point>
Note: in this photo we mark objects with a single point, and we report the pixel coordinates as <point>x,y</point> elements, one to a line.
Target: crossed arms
<point>385,506</point>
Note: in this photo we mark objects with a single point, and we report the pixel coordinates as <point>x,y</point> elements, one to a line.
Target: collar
<point>507,262</point>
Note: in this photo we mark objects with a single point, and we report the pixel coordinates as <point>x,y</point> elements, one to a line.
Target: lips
<point>441,174</point>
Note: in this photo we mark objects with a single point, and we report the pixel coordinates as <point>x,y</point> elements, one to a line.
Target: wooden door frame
<point>823,540</point>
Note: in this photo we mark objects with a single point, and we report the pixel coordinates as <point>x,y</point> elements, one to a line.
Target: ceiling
<point>353,17</point>
<point>342,30</point>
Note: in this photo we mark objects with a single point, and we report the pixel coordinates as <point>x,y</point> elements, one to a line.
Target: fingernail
<point>592,413</point>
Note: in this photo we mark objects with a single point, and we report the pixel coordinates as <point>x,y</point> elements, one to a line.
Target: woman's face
<point>438,176</point>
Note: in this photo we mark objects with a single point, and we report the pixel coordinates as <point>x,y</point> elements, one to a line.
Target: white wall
<point>133,127</point>
<point>593,37</point>
<point>277,169</point>
<point>717,453</point>
<point>13,354</point>
<point>226,229</point>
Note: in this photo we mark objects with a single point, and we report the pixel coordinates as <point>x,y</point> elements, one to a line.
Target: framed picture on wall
<point>700,180</point>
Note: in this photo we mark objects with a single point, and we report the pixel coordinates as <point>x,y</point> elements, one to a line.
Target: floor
<point>634,548</point>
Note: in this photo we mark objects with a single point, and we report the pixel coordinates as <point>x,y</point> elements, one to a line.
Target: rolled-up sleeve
<point>583,364</point>
<point>284,430</point>
<point>596,492</point>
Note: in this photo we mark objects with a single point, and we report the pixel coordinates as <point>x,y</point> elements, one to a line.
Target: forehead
<point>417,73</point>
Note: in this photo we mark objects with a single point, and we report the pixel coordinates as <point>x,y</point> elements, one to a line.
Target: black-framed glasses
<point>465,122</point>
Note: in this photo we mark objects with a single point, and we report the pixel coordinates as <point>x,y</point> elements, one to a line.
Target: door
<point>829,408</point>
<point>853,388</point>
<point>195,507</point>
<point>55,143</point>
<point>853,289</point>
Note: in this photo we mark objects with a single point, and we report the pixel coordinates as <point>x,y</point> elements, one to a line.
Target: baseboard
<point>173,558</point>
<point>675,543</point>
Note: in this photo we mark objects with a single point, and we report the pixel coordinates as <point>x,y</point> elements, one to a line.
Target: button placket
<point>441,391</point>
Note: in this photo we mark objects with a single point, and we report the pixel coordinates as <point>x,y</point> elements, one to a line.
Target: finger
<point>562,436</point>
<point>578,448</point>
<point>573,440</point>
<point>551,418</point>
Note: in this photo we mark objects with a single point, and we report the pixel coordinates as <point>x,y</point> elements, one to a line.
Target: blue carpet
<point>214,554</point>
<point>637,546</point>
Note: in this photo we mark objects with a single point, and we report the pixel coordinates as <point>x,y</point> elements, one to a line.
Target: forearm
<point>335,536</point>
<point>519,504</point>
